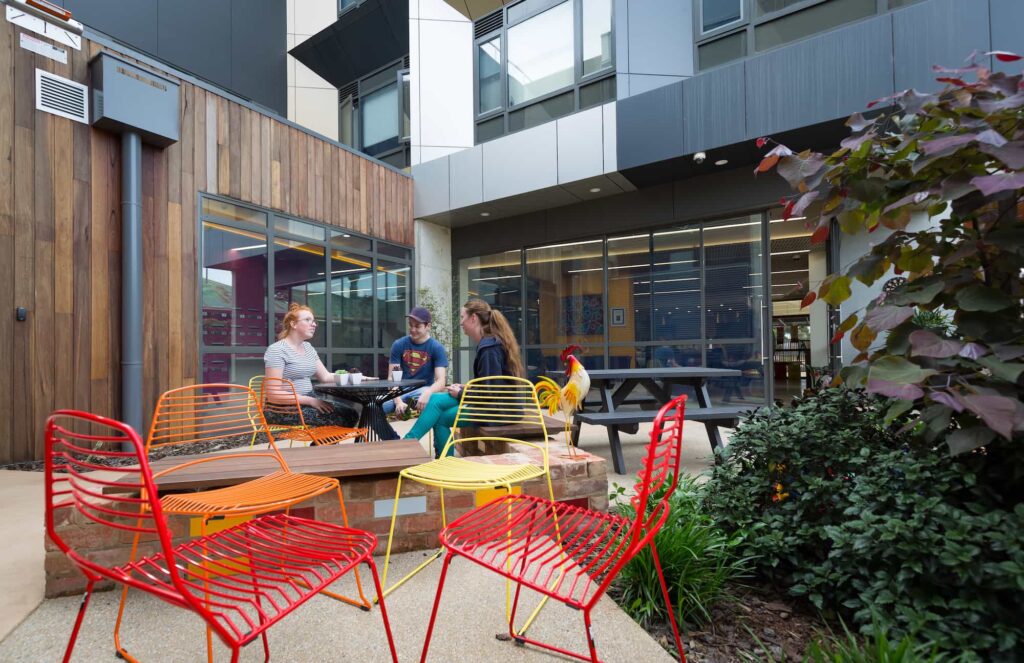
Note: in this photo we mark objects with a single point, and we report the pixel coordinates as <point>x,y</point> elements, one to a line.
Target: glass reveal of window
<point>346,122</point>
<point>234,286</point>
<point>716,13</point>
<point>406,105</point>
<point>540,55</point>
<point>380,119</point>
<point>392,300</point>
<point>488,67</point>
<point>299,278</point>
<point>597,35</point>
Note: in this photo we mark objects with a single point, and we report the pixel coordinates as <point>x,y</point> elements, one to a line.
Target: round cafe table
<point>371,394</point>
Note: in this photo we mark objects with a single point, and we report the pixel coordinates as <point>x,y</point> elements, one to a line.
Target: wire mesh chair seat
<point>569,553</point>
<point>286,403</point>
<point>466,474</point>
<point>272,492</point>
<point>240,581</point>
<point>256,385</point>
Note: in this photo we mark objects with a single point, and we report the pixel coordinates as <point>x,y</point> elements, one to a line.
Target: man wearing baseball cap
<point>419,357</point>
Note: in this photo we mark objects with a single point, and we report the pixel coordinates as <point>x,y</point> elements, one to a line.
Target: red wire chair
<point>515,536</point>
<point>240,581</point>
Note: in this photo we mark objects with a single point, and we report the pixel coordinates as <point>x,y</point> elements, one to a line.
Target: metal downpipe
<point>131,280</point>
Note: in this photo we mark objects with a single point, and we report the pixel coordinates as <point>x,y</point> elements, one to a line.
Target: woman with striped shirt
<point>293,358</point>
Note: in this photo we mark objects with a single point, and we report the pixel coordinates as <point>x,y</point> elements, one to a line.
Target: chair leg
<point>590,635</point>
<point>668,603</point>
<point>391,538</point>
<point>78,621</point>
<point>437,602</point>
<point>391,532</point>
<point>383,610</point>
<point>120,651</point>
<point>558,535</point>
<point>363,602</point>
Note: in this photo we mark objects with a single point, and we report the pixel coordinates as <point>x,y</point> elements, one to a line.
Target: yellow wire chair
<point>286,403</point>
<point>489,400</point>
<point>254,411</point>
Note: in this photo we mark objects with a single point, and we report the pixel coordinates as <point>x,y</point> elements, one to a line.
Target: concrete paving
<point>472,608</point>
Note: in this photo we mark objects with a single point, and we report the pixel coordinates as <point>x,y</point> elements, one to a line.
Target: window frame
<point>361,91</point>
<point>579,80</point>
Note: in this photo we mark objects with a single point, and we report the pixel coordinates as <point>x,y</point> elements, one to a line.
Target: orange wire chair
<point>285,402</point>
<point>252,574</point>
<point>568,553</point>
<point>256,384</point>
<point>208,412</point>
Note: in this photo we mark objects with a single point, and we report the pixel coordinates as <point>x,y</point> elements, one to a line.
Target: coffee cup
<point>396,376</point>
<point>356,378</point>
<point>341,379</point>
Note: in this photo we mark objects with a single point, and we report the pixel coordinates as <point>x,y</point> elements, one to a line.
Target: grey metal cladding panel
<point>714,108</point>
<point>521,162</point>
<point>660,37</point>
<point>192,36</point>
<point>430,195</point>
<point>649,126</point>
<point>727,193</point>
<point>131,21</point>
<point>644,208</point>
<point>466,185</point>
<point>620,14</point>
<point>259,63</point>
<point>942,32</point>
<point>1007,35</point>
<point>819,79</point>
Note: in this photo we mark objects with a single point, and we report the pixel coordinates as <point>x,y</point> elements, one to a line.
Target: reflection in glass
<point>496,279</point>
<point>234,286</point>
<point>629,290</point>
<point>213,207</point>
<point>671,355</point>
<point>540,54</point>
<point>346,122</point>
<point>406,106</point>
<point>733,287</point>
<point>676,285</point>
<point>716,13</point>
<point>380,119</point>
<point>346,362</point>
<point>745,358</point>
<point>541,360</point>
<point>223,368</point>
<point>351,301</point>
<point>346,240</point>
<point>300,228</point>
<point>392,300</point>
<point>597,35</point>
<point>565,294</point>
<point>299,278</point>
<point>489,74</point>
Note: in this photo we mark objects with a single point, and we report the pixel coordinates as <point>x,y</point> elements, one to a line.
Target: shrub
<point>699,561</point>
<point>835,506</point>
<point>877,649</point>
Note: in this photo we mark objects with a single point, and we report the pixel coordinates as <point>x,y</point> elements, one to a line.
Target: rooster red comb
<point>568,351</point>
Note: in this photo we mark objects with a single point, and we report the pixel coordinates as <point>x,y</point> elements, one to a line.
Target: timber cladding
<point>60,235</point>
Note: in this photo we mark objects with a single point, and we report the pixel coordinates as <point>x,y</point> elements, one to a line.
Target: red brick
<point>426,522</point>
<point>359,489</point>
<point>87,537</point>
<point>598,469</point>
<point>599,503</point>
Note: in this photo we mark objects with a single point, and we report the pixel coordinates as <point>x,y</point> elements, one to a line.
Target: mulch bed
<point>784,629</point>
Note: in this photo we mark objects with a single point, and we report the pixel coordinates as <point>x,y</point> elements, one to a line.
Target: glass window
<point>496,279</point>
<point>733,285</point>
<point>346,362</point>
<point>565,288</point>
<point>812,20</point>
<point>346,122</point>
<point>234,286</point>
<point>597,35</point>
<point>293,227</point>
<point>394,251</point>
<point>299,278</point>
<point>488,71</point>
<point>392,300</point>
<point>230,212</point>
<point>762,7</point>
<point>597,93</point>
<point>379,119</point>
<point>540,54</point>
<point>225,368</point>
<point>722,50</point>
<point>490,129</point>
<point>541,112</point>
<point>675,287</point>
<point>716,13</point>
<point>351,301</point>
<point>629,289</point>
<point>344,240</point>
<point>405,80</point>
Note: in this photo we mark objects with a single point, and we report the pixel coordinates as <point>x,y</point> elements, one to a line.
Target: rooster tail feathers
<point>548,393</point>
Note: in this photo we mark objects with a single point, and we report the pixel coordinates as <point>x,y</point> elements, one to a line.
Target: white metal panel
<point>414,86</point>
<point>521,162</point>
<point>430,194</point>
<point>660,37</point>
<point>312,16</point>
<point>467,177</point>
<point>610,137</point>
<point>580,145</point>
<point>439,10</point>
<point>446,83</point>
<point>640,83</point>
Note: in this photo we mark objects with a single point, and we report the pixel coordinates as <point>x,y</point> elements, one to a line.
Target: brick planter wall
<point>582,481</point>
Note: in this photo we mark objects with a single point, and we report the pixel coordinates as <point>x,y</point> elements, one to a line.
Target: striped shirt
<point>297,367</point>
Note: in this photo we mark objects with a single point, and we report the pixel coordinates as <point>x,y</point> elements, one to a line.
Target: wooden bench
<point>527,432</point>
<point>342,460</point>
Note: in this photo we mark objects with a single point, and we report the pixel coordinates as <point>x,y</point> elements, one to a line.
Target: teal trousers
<point>439,416</point>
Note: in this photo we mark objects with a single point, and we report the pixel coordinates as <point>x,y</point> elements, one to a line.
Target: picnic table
<point>371,394</point>
<point>616,386</point>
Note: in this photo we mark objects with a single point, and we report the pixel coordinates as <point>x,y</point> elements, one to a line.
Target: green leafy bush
<point>834,505</point>
<point>699,561</point>
<point>848,648</point>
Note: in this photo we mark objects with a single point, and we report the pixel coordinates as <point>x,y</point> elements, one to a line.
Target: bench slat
<point>717,413</point>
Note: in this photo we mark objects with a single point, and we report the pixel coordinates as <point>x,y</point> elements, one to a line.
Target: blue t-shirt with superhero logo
<point>418,361</point>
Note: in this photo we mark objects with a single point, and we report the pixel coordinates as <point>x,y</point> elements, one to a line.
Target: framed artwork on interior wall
<point>618,316</point>
<point>583,315</point>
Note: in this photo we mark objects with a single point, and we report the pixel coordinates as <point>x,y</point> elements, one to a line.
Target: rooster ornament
<point>568,399</point>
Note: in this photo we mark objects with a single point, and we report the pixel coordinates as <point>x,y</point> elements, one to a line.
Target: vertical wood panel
<point>7,244</point>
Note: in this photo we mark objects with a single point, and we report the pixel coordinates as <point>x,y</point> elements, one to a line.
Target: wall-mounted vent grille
<point>62,97</point>
<point>488,24</point>
<point>405,61</point>
<point>349,90</point>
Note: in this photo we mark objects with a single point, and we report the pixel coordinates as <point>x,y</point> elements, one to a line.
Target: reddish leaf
<point>923,343</point>
<point>808,299</point>
<point>787,211</point>
<point>907,392</point>
<point>915,198</point>
<point>991,137</point>
<point>947,399</point>
<point>804,202</point>
<point>884,318</point>
<point>973,351</point>
<point>767,163</point>
<point>953,81</point>
<point>990,184</point>
<point>820,233</point>
<point>1011,154</point>
<point>998,412</point>
<point>838,337</point>
<point>945,145</point>
<point>1004,56</point>
<point>856,122</point>
<point>761,141</point>
<point>862,337</point>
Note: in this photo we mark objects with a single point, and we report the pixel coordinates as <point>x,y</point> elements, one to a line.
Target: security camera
<point>699,157</point>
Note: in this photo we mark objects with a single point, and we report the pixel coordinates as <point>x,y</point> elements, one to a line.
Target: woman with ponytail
<point>497,353</point>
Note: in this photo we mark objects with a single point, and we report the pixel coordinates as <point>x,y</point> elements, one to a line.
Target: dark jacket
<point>491,358</point>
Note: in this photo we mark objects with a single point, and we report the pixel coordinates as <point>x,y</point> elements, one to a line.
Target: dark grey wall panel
<point>259,61</point>
<point>1007,33</point>
<point>942,32</point>
<point>131,21</point>
<point>713,109</point>
<point>732,192</point>
<point>196,36</point>
<point>819,79</point>
<point>650,126</point>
